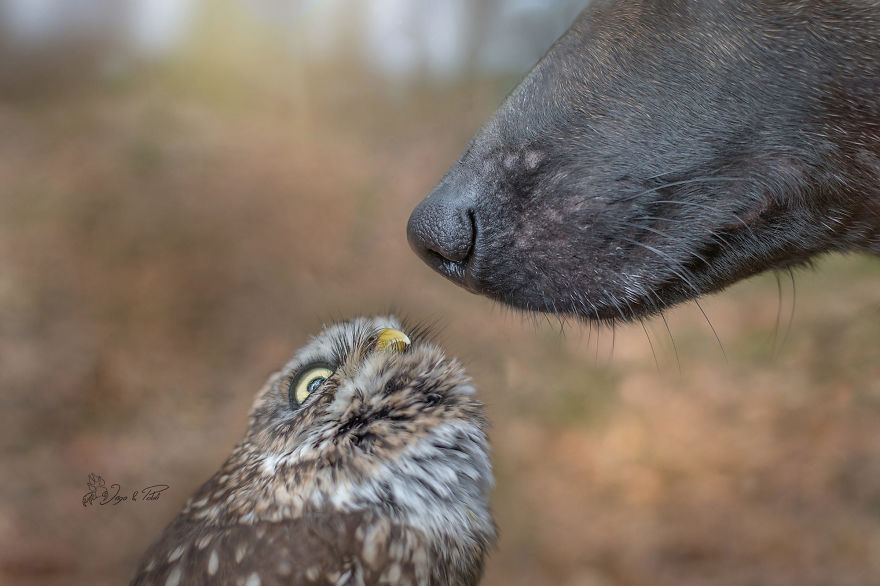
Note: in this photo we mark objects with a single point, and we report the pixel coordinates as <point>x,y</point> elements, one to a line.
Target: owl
<point>366,461</point>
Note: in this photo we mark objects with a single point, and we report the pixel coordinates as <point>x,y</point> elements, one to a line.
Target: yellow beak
<point>393,340</point>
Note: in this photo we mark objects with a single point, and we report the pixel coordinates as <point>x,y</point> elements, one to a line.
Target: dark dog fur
<point>664,149</point>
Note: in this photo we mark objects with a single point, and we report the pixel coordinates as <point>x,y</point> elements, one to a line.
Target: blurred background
<point>188,189</point>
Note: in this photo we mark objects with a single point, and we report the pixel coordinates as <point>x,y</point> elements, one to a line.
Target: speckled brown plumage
<point>380,476</point>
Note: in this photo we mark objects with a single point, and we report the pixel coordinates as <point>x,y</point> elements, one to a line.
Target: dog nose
<point>441,227</point>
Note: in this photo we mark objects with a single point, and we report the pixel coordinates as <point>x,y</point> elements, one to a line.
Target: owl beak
<point>393,340</point>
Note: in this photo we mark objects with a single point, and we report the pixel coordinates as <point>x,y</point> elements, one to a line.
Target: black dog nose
<point>441,227</point>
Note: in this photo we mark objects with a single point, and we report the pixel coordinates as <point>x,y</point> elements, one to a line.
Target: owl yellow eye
<point>307,382</point>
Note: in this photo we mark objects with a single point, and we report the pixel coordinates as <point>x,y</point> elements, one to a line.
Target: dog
<point>665,149</point>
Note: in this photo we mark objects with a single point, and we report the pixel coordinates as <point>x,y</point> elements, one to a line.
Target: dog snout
<point>441,230</point>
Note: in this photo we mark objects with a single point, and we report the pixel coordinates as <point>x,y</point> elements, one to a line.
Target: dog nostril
<point>441,225</point>
<point>450,238</point>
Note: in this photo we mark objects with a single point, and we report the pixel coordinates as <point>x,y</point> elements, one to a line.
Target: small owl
<point>365,462</point>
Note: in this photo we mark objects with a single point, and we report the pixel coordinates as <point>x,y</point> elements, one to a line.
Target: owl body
<point>364,463</point>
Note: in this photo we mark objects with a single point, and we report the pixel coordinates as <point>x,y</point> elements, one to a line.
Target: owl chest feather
<point>360,548</point>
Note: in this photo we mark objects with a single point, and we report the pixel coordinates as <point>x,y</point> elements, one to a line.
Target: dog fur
<point>664,149</point>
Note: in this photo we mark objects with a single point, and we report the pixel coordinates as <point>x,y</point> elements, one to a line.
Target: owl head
<point>369,420</point>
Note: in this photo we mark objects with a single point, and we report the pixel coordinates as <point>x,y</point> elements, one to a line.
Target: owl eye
<point>307,381</point>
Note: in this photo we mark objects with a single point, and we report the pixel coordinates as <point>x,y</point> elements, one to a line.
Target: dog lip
<point>453,269</point>
<point>459,273</point>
